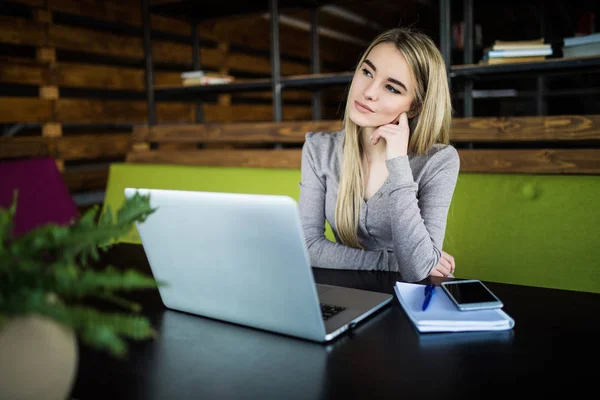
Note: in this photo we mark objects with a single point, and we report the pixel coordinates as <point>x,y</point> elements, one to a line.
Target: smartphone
<point>470,295</point>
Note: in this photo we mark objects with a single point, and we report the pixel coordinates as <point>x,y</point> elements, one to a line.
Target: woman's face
<point>382,88</point>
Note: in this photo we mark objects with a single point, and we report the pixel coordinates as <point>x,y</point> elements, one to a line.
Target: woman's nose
<point>370,92</point>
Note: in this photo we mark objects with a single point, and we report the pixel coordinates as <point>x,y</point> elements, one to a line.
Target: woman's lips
<point>363,108</point>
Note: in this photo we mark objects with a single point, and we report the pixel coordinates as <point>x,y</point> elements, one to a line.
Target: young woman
<point>385,181</point>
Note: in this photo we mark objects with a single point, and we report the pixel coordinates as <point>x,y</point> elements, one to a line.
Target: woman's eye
<point>392,89</point>
<point>367,72</point>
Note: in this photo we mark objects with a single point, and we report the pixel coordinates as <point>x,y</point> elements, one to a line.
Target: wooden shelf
<point>550,64</point>
<point>297,82</point>
<point>209,9</point>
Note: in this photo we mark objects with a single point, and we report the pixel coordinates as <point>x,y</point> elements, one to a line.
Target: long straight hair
<point>430,124</point>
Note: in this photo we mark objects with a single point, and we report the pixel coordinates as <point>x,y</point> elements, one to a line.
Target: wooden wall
<point>564,144</point>
<point>72,78</point>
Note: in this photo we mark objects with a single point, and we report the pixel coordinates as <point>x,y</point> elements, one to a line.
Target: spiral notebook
<point>443,316</point>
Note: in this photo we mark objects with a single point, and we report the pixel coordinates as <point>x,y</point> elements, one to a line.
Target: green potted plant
<point>48,284</point>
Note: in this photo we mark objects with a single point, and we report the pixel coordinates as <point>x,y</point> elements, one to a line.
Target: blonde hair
<point>430,124</point>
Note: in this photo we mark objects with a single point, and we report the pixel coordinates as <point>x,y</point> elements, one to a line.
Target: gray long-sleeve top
<point>401,227</point>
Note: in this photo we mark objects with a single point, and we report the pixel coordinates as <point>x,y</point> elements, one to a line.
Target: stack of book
<point>505,52</point>
<point>191,78</point>
<point>582,46</point>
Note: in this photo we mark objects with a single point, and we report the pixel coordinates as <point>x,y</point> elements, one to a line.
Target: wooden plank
<point>18,147</point>
<point>90,111</point>
<point>77,147</point>
<point>243,112</point>
<point>99,76</point>
<point>46,55</point>
<point>286,96</point>
<point>332,95</point>
<point>31,3</point>
<point>43,16</point>
<point>542,161</point>
<point>92,146</point>
<point>60,165</point>
<point>24,109</point>
<point>21,31</point>
<point>98,111</point>
<point>170,52</point>
<point>90,41</point>
<point>110,77</point>
<point>246,62</point>
<point>78,110</point>
<point>48,92</point>
<point>251,31</point>
<point>14,70</point>
<point>52,129</point>
<point>85,180</point>
<point>112,11</point>
<point>555,161</point>
<point>549,128</point>
<point>165,78</point>
<point>284,158</point>
<point>261,132</point>
<point>96,42</point>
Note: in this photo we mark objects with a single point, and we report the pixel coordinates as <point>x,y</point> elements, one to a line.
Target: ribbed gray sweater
<point>401,227</point>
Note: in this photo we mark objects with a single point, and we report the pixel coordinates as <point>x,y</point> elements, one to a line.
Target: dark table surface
<point>552,350</point>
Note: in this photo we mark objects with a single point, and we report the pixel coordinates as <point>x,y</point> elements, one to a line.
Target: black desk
<point>552,350</point>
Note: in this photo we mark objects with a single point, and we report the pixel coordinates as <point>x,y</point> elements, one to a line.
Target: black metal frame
<point>465,76</point>
<point>276,83</point>
<point>199,112</point>
<point>468,56</point>
<point>275,61</point>
<point>149,73</point>
<point>315,60</point>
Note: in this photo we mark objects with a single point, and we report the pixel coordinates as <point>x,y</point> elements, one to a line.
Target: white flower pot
<point>38,359</point>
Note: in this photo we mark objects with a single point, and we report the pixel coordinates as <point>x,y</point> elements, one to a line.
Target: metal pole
<point>148,59</point>
<point>445,32</point>
<point>468,32</point>
<point>540,98</point>
<point>468,98</point>
<point>468,56</point>
<point>315,61</point>
<point>275,60</point>
<point>196,65</point>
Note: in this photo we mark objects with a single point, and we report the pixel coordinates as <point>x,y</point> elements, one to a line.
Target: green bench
<point>536,230</point>
<point>528,216</point>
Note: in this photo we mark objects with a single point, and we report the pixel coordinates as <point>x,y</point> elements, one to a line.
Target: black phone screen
<point>470,292</point>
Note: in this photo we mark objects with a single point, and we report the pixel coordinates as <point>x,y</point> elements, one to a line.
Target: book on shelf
<point>208,80</point>
<point>192,74</point>
<point>582,46</point>
<point>584,50</point>
<point>506,52</point>
<point>581,40</point>
<point>520,44</point>
<point>520,53</point>
<point>510,60</point>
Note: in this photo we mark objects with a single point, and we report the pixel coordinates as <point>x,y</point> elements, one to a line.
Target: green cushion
<point>536,230</point>
<point>209,179</point>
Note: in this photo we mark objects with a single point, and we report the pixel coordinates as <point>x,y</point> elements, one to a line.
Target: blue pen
<point>429,289</point>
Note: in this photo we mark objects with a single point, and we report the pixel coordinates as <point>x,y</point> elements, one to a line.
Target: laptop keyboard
<point>329,311</point>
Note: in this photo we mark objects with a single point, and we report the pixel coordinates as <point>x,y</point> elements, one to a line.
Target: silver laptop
<point>242,258</point>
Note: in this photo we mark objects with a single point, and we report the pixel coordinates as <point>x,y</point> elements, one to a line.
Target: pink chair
<point>43,196</point>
